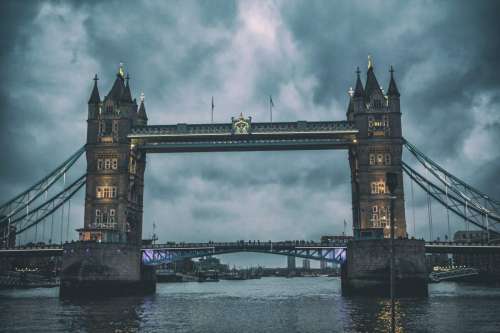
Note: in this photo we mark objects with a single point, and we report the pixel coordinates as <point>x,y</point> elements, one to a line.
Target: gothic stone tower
<point>379,149</point>
<point>115,170</point>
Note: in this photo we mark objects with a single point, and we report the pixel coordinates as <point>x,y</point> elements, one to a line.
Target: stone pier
<point>104,269</point>
<point>367,268</point>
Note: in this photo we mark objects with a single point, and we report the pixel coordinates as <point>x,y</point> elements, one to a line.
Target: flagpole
<point>212,118</point>
<point>271,107</point>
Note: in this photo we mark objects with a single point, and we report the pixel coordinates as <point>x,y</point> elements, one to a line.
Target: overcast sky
<point>304,53</point>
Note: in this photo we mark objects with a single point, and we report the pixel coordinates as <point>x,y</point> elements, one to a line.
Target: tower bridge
<point>108,253</point>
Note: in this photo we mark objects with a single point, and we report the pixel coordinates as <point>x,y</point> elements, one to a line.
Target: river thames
<point>305,304</point>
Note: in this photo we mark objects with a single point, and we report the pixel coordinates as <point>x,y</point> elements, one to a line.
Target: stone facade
<point>379,148</point>
<point>115,169</point>
<point>367,267</point>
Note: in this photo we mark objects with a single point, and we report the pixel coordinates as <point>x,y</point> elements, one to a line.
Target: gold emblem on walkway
<point>241,125</point>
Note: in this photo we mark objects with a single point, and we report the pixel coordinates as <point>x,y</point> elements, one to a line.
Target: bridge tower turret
<point>378,151</point>
<point>114,187</point>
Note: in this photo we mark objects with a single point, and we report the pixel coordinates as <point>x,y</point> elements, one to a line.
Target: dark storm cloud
<point>303,53</point>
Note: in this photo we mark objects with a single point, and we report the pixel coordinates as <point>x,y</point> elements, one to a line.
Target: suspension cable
<point>413,206</point>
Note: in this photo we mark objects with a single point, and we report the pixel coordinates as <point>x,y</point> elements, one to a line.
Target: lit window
<point>380,159</point>
<point>114,164</point>
<point>99,164</point>
<point>106,192</point>
<point>372,159</point>
<point>387,159</point>
<point>107,164</point>
<point>378,187</point>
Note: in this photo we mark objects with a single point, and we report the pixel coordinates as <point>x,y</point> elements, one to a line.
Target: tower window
<point>114,163</point>
<point>387,159</point>
<point>107,164</point>
<point>115,127</point>
<point>102,127</point>
<point>98,216</point>
<point>378,187</point>
<point>372,159</point>
<point>380,159</point>
<point>99,164</point>
<point>106,192</point>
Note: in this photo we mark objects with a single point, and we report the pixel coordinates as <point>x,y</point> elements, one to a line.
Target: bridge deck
<point>300,135</point>
<point>231,247</point>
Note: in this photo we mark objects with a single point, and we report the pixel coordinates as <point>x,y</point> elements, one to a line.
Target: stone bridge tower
<point>378,118</point>
<point>115,170</point>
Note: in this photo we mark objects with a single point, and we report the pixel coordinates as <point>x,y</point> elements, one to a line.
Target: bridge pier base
<point>367,268</point>
<point>104,269</point>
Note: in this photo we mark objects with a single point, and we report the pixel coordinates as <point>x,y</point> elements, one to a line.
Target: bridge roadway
<point>331,251</point>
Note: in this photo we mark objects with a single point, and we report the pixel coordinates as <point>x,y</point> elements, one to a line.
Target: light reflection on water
<point>268,304</point>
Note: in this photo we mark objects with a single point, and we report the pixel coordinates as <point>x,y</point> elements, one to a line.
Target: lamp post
<point>392,183</point>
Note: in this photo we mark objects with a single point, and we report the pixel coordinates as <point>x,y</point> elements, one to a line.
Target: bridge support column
<point>104,269</point>
<point>367,268</point>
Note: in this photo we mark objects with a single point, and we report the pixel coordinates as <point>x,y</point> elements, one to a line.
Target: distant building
<point>485,262</point>
<point>210,264</point>
<point>476,236</point>
<point>7,235</point>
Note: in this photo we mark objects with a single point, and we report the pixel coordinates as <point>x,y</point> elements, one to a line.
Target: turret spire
<point>358,89</point>
<point>94,96</point>
<point>371,81</point>
<point>141,114</point>
<point>392,91</point>
<point>127,95</point>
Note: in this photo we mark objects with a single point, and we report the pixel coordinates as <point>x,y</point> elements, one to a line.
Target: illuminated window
<point>107,164</point>
<point>114,163</point>
<point>106,192</point>
<point>387,159</point>
<point>99,164</point>
<point>380,159</point>
<point>378,187</point>
<point>372,159</point>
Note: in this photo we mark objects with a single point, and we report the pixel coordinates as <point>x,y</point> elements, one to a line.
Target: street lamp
<point>391,179</point>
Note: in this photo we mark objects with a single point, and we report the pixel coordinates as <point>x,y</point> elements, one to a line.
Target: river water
<point>305,304</point>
